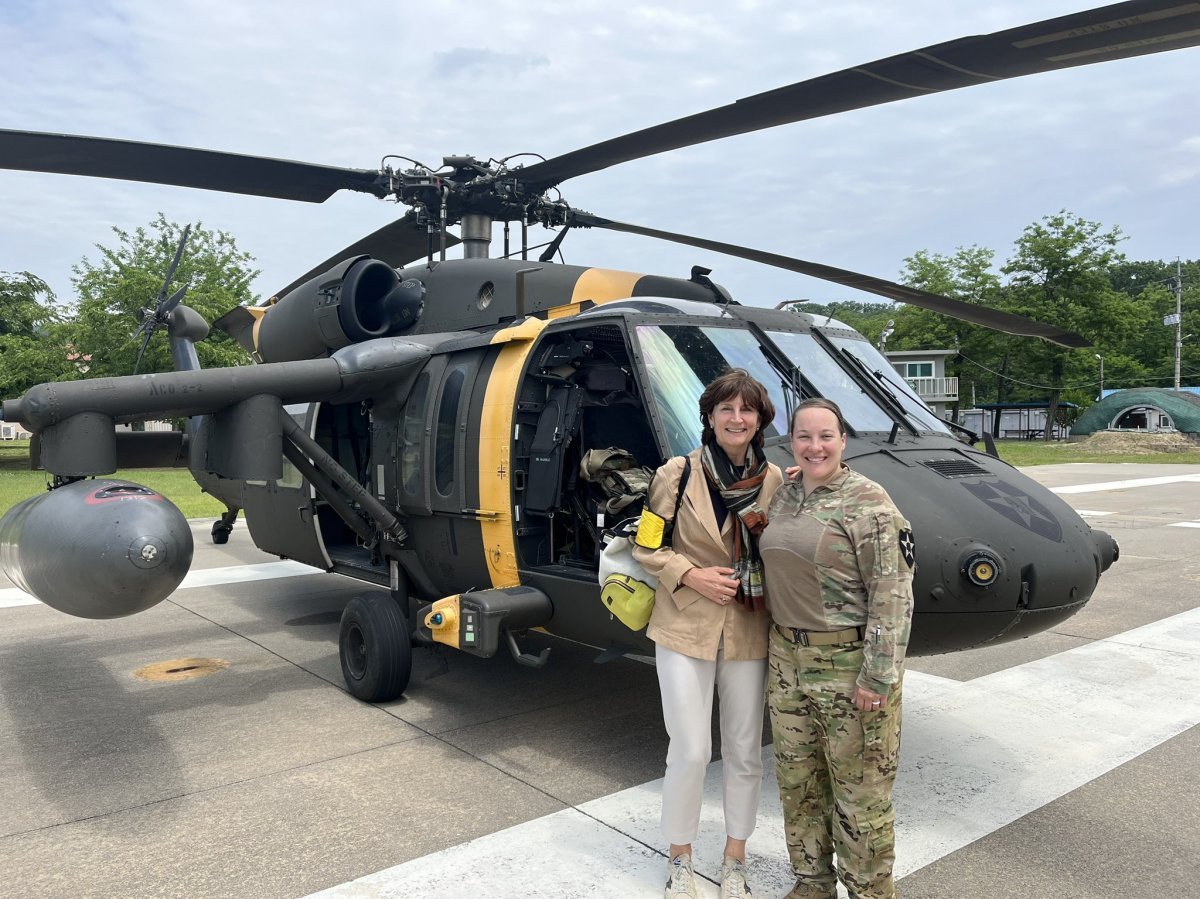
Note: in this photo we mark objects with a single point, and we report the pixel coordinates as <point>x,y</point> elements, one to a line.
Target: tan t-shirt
<point>843,557</point>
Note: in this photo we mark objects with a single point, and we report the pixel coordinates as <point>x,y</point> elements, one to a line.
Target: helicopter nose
<point>1107,549</point>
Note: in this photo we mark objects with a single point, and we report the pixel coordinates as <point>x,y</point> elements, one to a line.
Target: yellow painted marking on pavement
<point>180,669</point>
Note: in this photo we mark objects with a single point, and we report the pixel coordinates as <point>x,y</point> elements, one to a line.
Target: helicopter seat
<point>556,427</point>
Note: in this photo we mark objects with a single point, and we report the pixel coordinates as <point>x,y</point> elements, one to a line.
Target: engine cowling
<point>358,299</point>
<point>96,548</point>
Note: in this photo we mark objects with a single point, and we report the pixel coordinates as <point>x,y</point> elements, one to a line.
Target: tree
<point>966,276</point>
<point>1060,274</point>
<point>1151,284</point>
<point>114,290</point>
<point>32,346</point>
<point>868,319</point>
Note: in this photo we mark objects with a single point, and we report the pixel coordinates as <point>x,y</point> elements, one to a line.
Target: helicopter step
<point>360,563</point>
<point>475,622</point>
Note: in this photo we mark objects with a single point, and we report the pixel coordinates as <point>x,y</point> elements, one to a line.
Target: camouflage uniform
<point>840,558</point>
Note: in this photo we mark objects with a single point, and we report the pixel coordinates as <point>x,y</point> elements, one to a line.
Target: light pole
<point>1101,358</point>
<point>888,329</point>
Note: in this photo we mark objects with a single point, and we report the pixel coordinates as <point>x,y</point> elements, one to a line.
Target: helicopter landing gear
<point>223,526</point>
<point>375,649</point>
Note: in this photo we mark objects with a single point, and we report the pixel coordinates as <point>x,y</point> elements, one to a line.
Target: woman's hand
<point>720,585</point>
<point>866,701</point>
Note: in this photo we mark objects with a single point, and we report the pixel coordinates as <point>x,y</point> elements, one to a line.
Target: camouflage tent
<point>1144,409</point>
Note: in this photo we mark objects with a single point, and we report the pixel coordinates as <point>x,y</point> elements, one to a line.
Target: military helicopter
<point>418,426</point>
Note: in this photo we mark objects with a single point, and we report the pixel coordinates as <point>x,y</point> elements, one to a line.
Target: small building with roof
<point>1145,409</point>
<point>1015,421</point>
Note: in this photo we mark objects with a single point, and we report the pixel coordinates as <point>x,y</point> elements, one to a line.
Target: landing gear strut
<point>223,526</point>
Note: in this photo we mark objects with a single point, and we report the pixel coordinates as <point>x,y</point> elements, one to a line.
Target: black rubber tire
<point>374,647</point>
<point>220,533</point>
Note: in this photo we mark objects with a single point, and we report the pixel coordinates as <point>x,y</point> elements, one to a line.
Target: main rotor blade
<point>397,244</point>
<point>1119,31</point>
<point>968,312</point>
<point>102,157</point>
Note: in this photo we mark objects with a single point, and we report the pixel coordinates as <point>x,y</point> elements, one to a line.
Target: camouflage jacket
<point>843,557</point>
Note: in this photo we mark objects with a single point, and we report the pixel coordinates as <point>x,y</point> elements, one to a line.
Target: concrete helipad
<point>1059,765</point>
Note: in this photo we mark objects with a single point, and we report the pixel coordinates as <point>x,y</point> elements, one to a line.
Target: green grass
<point>1036,452</point>
<point>17,482</point>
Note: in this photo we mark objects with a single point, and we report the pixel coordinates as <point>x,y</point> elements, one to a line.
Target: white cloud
<point>345,85</point>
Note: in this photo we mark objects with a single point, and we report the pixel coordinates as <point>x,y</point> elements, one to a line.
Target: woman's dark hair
<point>818,402</point>
<point>734,383</point>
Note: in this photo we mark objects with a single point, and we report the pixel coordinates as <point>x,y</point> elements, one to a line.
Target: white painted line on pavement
<point>10,597</point>
<point>976,756</point>
<point>1185,524</point>
<point>1089,513</point>
<point>1127,484</point>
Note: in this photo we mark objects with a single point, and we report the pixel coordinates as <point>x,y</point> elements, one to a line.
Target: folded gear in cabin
<point>618,475</point>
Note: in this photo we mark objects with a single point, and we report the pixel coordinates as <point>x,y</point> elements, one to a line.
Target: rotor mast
<point>476,231</point>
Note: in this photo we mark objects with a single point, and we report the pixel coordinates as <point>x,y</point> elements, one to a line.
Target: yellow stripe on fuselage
<point>495,446</point>
<point>602,285</point>
<point>258,312</point>
<point>596,285</point>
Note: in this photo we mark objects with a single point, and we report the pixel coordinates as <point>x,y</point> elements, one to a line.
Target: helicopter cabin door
<point>281,515</point>
<point>438,477</point>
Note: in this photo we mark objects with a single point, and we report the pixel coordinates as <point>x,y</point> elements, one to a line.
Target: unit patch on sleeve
<point>908,547</point>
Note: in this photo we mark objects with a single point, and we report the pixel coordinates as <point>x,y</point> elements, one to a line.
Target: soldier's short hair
<point>734,383</point>
<point>818,402</point>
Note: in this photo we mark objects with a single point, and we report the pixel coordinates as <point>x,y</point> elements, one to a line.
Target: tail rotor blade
<point>142,352</point>
<point>169,306</point>
<point>162,294</point>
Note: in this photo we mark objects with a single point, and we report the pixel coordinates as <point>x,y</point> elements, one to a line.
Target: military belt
<point>820,638</point>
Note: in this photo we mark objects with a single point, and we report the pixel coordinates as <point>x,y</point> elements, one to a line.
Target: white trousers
<point>686,685</point>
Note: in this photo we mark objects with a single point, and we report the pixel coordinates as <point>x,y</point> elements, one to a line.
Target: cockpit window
<point>682,359</point>
<point>878,364</point>
<point>830,380</point>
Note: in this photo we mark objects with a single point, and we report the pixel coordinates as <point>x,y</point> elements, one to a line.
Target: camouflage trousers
<point>836,766</point>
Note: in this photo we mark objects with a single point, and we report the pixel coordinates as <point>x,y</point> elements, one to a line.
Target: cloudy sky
<point>1118,143</point>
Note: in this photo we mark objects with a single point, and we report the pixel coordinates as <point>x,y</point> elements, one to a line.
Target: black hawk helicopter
<point>419,427</point>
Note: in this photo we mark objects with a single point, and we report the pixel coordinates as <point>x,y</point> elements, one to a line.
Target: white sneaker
<point>681,881</point>
<point>733,880</point>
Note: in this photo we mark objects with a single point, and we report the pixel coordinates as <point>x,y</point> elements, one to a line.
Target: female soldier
<point>709,623</point>
<point>839,560</point>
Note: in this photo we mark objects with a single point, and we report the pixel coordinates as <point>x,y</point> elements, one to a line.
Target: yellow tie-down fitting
<point>442,621</point>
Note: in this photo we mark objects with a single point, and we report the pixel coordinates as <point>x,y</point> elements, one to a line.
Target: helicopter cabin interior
<point>578,394</point>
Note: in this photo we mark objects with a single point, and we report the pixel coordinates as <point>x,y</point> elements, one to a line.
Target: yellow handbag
<point>626,588</point>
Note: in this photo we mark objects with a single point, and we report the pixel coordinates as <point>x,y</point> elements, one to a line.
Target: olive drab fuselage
<point>480,457</point>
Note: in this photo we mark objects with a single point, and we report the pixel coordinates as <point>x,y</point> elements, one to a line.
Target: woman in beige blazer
<point>710,624</point>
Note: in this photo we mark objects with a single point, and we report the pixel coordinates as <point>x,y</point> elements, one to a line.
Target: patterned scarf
<point>740,494</point>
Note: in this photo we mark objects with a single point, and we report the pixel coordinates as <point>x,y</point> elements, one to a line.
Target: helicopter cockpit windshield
<point>831,379</point>
<point>681,359</point>
<point>877,364</point>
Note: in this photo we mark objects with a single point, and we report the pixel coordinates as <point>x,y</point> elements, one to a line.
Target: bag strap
<point>683,479</point>
<point>669,536</point>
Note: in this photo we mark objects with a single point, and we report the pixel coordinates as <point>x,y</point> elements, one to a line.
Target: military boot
<point>805,890</point>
